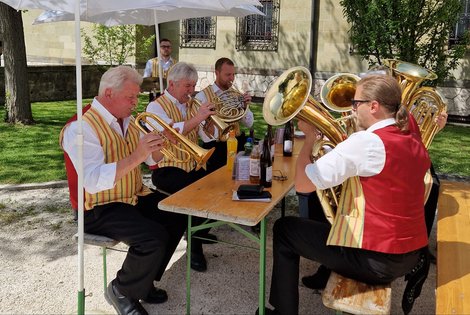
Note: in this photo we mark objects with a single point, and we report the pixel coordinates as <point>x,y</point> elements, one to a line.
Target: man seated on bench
<point>381,234</point>
<point>117,204</point>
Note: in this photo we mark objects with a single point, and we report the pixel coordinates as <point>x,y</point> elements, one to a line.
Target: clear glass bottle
<point>266,164</point>
<point>248,146</point>
<point>254,165</point>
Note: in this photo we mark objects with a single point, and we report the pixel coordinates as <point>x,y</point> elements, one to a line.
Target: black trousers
<point>151,234</point>
<point>295,237</point>
<point>431,204</point>
<point>173,179</point>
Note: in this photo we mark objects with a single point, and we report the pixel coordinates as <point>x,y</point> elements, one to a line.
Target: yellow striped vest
<point>155,68</point>
<point>172,111</point>
<point>348,225</point>
<point>116,148</point>
<point>212,97</point>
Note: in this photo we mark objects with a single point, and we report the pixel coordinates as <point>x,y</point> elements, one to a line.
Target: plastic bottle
<point>248,146</point>
<point>232,143</point>
<point>266,164</point>
<point>288,139</point>
<point>254,165</point>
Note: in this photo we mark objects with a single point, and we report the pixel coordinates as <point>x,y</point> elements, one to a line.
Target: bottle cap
<point>232,133</point>
<point>249,140</point>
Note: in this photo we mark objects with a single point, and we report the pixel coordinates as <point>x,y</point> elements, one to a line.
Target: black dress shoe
<point>198,262</point>
<point>318,280</point>
<point>122,304</point>
<point>415,279</point>
<point>156,296</point>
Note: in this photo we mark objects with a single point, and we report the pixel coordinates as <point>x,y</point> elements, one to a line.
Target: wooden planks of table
<point>211,198</point>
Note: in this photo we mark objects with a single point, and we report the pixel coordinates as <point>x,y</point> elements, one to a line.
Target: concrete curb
<point>19,187</point>
<point>45,185</point>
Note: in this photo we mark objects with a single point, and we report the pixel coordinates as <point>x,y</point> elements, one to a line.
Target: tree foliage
<point>415,31</point>
<point>17,99</point>
<point>113,45</point>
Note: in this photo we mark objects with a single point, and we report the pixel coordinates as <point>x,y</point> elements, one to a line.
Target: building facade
<point>313,34</point>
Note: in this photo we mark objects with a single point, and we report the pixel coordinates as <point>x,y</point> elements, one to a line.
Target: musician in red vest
<point>117,204</point>
<point>379,232</point>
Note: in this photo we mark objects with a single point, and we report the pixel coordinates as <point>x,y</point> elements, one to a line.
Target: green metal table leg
<point>81,302</point>
<point>262,267</point>
<point>105,268</point>
<point>188,267</point>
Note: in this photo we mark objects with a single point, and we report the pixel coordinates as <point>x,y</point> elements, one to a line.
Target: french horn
<point>189,151</point>
<point>230,105</point>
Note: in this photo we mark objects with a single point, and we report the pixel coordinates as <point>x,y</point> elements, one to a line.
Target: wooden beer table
<point>211,198</point>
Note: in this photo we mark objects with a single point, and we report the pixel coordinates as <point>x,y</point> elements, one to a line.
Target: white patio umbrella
<point>98,7</point>
<point>145,17</point>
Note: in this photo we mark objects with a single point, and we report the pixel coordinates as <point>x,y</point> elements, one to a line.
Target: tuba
<point>221,125</point>
<point>409,76</point>
<point>288,98</point>
<point>423,102</point>
<point>190,149</point>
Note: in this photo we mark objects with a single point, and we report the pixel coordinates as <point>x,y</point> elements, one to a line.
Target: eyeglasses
<point>356,103</point>
<point>165,46</point>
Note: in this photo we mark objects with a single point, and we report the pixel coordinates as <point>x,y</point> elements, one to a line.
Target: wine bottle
<point>266,166</point>
<point>288,140</point>
<point>254,165</point>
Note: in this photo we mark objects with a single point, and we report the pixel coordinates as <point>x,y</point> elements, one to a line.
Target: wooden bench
<point>105,243</point>
<point>453,249</point>
<point>346,295</point>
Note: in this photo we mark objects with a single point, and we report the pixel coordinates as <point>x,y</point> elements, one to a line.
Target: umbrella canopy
<point>77,7</point>
<point>163,13</point>
<point>101,6</point>
<point>144,16</point>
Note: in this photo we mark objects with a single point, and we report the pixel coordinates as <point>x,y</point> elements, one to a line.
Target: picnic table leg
<point>262,267</point>
<point>188,266</point>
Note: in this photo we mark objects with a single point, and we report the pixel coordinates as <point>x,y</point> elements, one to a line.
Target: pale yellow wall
<point>52,43</point>
<point>333,42</point>
<point>294,42</point>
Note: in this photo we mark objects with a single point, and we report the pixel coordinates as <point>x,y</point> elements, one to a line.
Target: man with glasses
<point>151,67</point>
<point>380,234</point>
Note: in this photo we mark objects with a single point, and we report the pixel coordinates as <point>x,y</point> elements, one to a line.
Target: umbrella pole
<point>79,143</point>
<point>157,39</point>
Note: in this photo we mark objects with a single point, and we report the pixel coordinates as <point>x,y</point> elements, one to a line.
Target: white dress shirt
<point>361,154</point>
<point>166,64</point>
<point>98,175</point>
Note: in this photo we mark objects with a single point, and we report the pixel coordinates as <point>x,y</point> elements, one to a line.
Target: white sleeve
<point>97,175</point>
<point>148,69</point>
<point>362,154</point>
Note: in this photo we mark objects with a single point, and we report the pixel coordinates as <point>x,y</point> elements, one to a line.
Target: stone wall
<point>57,83</point>
<point>256,82</point>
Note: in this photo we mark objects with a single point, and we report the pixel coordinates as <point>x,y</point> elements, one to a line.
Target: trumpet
<point>221,125</point>
<point>191,150</point>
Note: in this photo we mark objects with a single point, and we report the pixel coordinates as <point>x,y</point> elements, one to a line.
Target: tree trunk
<point>17,100</point>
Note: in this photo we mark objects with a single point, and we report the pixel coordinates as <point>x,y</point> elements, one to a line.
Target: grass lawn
<point>32,154</point>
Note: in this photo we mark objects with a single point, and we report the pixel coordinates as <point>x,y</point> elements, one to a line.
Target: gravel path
<point>39,266</point>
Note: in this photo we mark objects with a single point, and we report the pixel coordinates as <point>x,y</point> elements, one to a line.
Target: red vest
<point>394,215</point>
<point>72,176</point>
